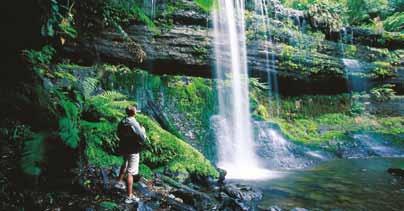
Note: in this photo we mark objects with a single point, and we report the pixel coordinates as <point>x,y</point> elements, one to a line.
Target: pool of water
<point>350,184</point>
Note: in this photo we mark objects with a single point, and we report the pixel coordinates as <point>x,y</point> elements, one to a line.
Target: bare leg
<point>122,171</point>
<point>129,184</point>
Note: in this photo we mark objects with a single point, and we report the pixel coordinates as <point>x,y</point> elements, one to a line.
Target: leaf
<point>33,155</point>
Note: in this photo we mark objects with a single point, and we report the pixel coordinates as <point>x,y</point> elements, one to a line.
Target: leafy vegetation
<point>326,15</point>
<point>378,14</point>
<point>33,154</point>
<point>69,123</point>
<point>206,5</point>
<point>60,21</point>
<point>395,22</point>
<point>383,93</point>
<point>168,150</point>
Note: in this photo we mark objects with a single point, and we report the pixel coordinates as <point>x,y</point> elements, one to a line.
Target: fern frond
<point>68,125</point>
<point>33,154</point>
<point>69,132</point>
<point>112,95</point>
<point>88,86</point>
<point>100,133</point>
<point>109,104</point>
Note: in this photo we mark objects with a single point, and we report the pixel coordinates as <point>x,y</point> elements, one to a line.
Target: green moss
<point>288,51</point>
<point>350,50</point>
<point>186,103</point>
<point>145,171</point>
<point>382,70</point>
<point>109,205</point>
<point>336,126</point>
<point>206,5</point>
<point>313,120</point>
<point>99,157</point>
<point>167,149</point>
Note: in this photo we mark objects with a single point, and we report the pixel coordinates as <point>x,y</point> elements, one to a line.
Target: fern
<point>395,22</point>
<point>100,133</point>
<point>69,124</point>
<point>121,11</point>
<point>206,5</point>
<point>88,87</point>
<point>33,154</point>
<point>109,104</point>
<point>69,132</point>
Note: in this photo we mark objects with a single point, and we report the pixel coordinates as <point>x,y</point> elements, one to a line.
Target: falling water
<point>261,9</point>
<point>236,148</point>
<point>151,7</point>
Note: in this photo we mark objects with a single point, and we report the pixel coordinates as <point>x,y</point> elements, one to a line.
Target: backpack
<point>130,141</point>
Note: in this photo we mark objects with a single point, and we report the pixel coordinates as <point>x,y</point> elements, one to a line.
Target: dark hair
<point>131,110</point>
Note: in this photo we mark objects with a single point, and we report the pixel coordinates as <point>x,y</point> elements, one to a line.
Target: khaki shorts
<point>132,163</point>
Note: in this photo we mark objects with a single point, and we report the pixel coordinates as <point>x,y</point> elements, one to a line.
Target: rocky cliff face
<point>303,55</point>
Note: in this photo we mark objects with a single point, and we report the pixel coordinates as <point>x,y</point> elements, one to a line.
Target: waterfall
<point>261,9</point>
<point>236,147</point>
<point>151,7</point>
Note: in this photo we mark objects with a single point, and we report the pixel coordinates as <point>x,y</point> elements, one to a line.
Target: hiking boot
<point>131,199</point>
<point>120,185</point>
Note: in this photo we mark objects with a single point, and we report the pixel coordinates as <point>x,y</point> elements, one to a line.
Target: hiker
<point>131,138</point>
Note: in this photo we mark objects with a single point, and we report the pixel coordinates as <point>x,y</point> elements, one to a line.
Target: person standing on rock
<point>131,138</point>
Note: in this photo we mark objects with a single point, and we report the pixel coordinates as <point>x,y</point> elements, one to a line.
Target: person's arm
<point>139,130</point>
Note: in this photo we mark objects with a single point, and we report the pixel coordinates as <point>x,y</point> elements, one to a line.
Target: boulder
<point>396,172</point>
<point>242,192</point>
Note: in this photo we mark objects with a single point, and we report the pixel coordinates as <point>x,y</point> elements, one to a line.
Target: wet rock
<point>222,175</point>
<point>299,209</point>
<point>204,181</point>
<point>115,171</point>
<point>242,192</point>
<point>364,145</point>
<point>229,204</point>
<point>396,172</point>
<point>270,208</point>
<point>195,199</point>
<point>143,207</point>
<point>105,179</point>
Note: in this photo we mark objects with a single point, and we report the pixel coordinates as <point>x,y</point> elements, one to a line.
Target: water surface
<point>354,184</point>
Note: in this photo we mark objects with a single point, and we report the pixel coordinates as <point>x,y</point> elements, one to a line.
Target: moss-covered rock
<point>167,150</point>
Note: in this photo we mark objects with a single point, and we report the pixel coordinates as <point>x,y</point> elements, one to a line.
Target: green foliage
<point>357,108</point>
<point>335,126</point>
<point>69,123</point>
<point>118,12</point>
<point>313,106</point>
<point>206,5</point>
<point>88,87</point>
<point>382,70</point>
<point>396,5</point>
<point>288,52</point>
<point>383,93</point>
<point>60,21</point>
<point>395,22</point>
<point>326,15</point>
<point>33,154</point>
<point>109,105</point>
<point>99,133</point>
<point>298,4</point>
<point>40,59</point>
<point>166,149</point>
<point>44,56</point>
<point>97,156</point>
<point>145,171</point>
<point>363,11</point>
<point>109,205</point>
